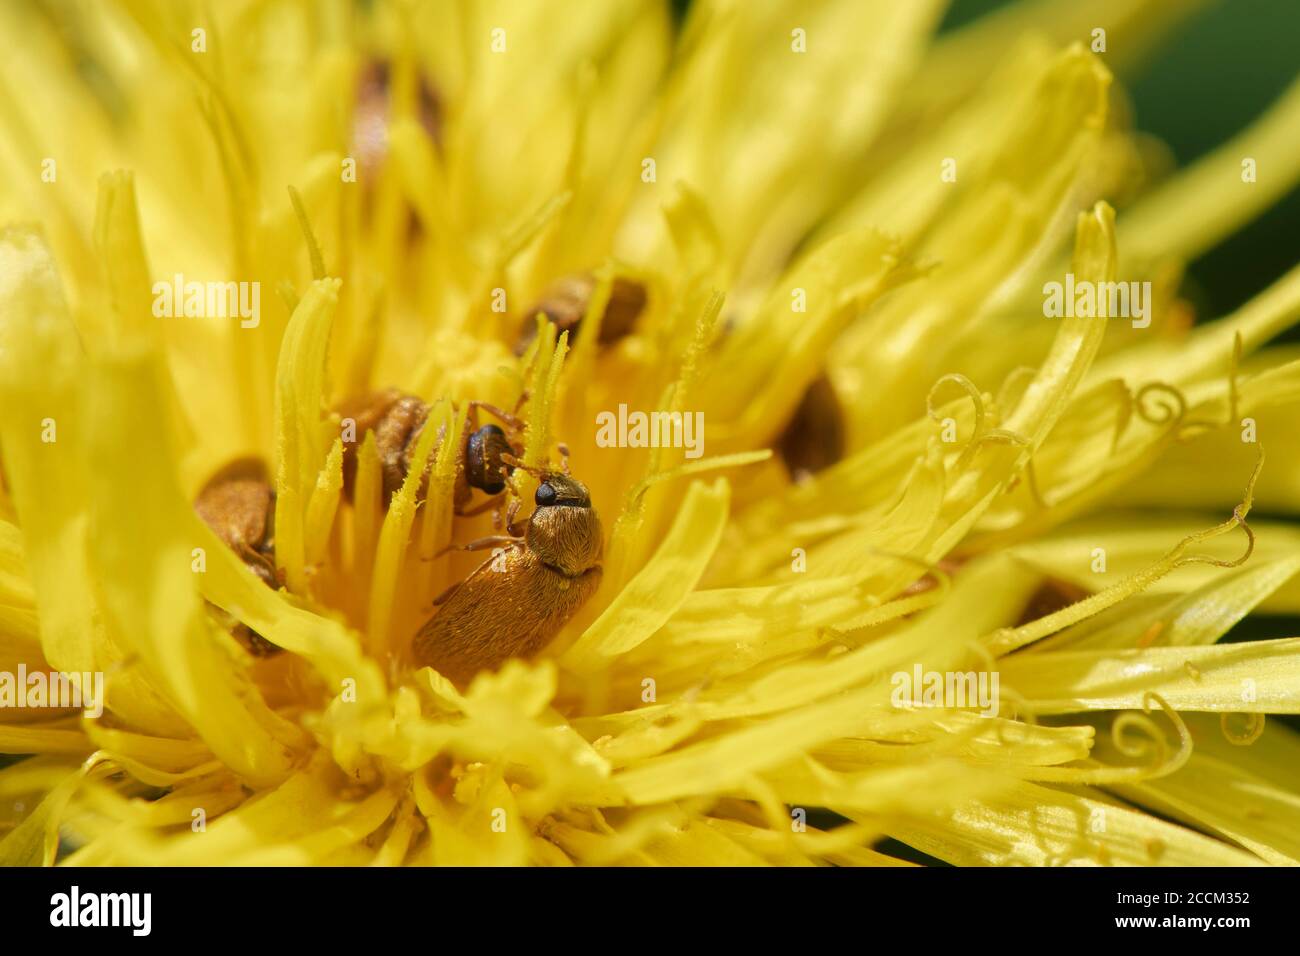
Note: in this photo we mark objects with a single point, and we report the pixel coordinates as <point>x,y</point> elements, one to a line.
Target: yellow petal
<point>1250,677</point>
<point>1038,826</point>
<point>660,587</point>
<point>300,438</point>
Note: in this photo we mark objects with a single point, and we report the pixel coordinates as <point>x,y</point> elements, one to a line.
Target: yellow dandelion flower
<point>952,611</point>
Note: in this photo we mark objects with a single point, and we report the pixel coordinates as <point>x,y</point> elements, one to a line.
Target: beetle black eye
<point>545,496</point>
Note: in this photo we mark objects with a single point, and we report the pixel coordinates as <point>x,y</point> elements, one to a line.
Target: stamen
<point>1153,741</point>
<point>1167,413</point>
<point>313,247</point>
<point>1254,729</point>
<point>1007,639</point>
<point>1238,519</point>
<point>965,385</point>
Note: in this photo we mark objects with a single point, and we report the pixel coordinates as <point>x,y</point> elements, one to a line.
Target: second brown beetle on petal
<point>397,419</point>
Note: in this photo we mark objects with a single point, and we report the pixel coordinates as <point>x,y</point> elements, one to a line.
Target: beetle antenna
<point>540,473</point>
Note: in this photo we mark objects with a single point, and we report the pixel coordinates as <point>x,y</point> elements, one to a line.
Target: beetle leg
<point>262,565</point>
<point>514,423</point>
<point>517,463</point>
<point>479,544</point>
<point>511,512</point>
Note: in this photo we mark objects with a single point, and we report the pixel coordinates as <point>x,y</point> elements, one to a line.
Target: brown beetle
<point>371,114</point>
<point>514,603</point>
<point>238,504</point>
<point>566,301</point>
<point>397,419</point>
<point>814,438</point>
